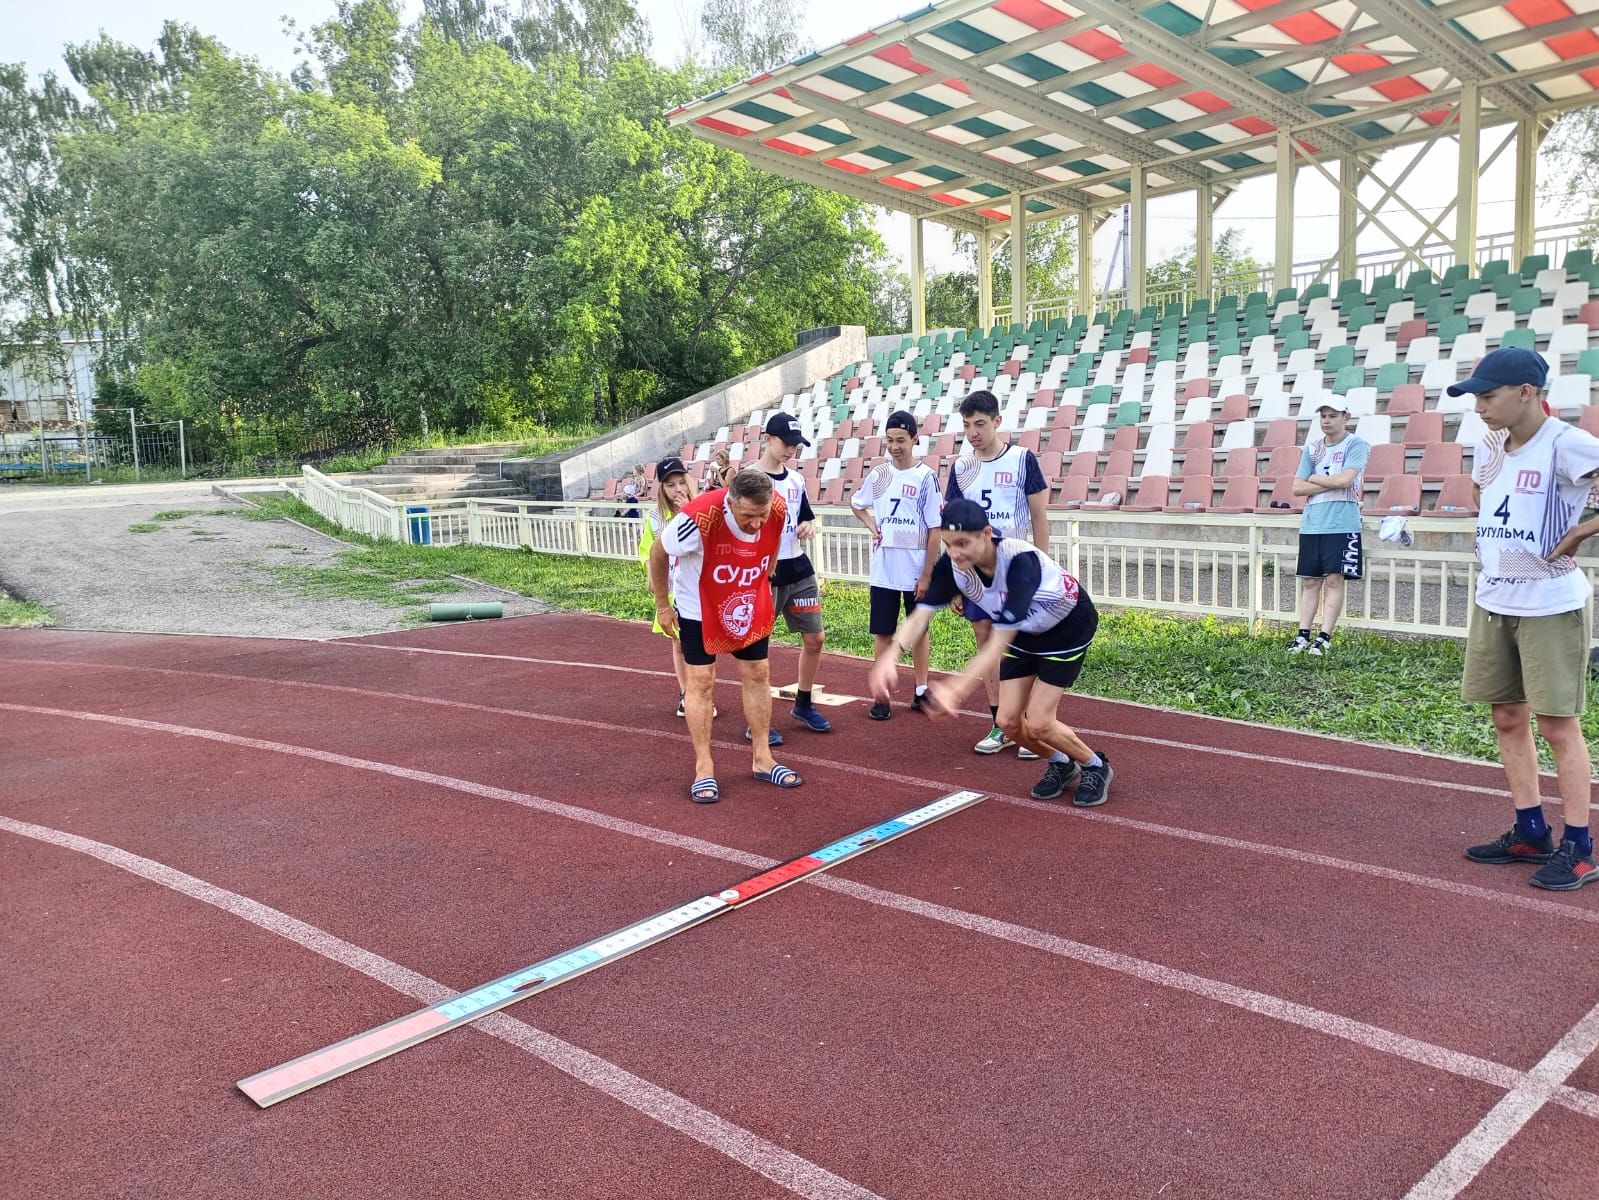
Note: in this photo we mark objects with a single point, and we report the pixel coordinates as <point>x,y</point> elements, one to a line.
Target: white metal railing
<point>1554,240</point>
<point>1239,567</point>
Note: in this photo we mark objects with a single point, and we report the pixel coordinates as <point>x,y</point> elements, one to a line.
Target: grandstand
<point>1202,408</point>
<point>991,115</point>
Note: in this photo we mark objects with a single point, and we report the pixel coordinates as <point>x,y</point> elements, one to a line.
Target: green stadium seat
<point>1506,286</point>
<point>1286,294</point>
<point>1315,292</point>
<point>1359,318</point>
<point>1418,279</point>
<point>1299,339</point>
<point>1496,268</point>
<point>1338,358</point>
<point>1386,299</point>
<point>1524,300</point>
<point>1438,309</point>
<point>1349,377</point>
<point>1101,394</point>
<point>1523,338</point>
<point>1457,272</point>
<point>1384,282</point>
<point>1577,261</point>
<point>1292,323</point>
<point>1588,363</point>
<point>1532,264</point>
<point>1391,375</point>
<point>1452,327</point>
<point>1256,300</point>
<point>1128,412</point>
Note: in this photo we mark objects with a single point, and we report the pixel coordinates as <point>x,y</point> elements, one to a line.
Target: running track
<point>1264,970</point>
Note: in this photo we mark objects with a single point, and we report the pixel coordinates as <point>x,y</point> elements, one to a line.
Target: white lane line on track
<point>1305,857</point>
<point>789,1170</point>
<point>1330,1024</point>
<point>1455,1171</point>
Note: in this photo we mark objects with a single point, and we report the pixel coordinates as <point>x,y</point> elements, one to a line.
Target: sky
<point>35,34</point>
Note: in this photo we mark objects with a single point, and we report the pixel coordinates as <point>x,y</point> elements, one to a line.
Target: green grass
<point>146,527</point>
<point>1404,692</point>
<point>23,614</point>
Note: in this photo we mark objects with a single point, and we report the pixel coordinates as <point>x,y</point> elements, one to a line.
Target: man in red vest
<point>724,544</point>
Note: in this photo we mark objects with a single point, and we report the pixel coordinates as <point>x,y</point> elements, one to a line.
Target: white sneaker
<point>1319,647</point>
<point>682,702</point>
<point>1024,753</point>
<point>994,742</point>
<point>1299,645</point>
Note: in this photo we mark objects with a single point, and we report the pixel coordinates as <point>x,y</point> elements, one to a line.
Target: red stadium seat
<point>1241,495</point>
<point>1153,493</point>
<point>1239,462</point>
<point>1387,459</point>
<point>1407,398</point>
<point>1400,495</point>
<point>1112,492</point>
<point>1455,498</point>
<point>1073,491</point>
<point>1201,435</point>
<point>1424,428</point>
<point>1233,408</point>
<point>1440,460</point>
<point>1198,462</point>
<point>1282,432</point>
<point>1195,495</point>
<point>1282,493</point>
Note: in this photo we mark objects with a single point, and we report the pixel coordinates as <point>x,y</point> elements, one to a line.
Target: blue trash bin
<point>421,524</point>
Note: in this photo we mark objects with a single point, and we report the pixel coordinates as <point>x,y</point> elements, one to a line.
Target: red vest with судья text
<point>735,592</point>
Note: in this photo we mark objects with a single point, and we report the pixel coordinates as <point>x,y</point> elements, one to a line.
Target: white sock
<point>921,689</point>
<point>1058,757</point>
<point>1096,761</point>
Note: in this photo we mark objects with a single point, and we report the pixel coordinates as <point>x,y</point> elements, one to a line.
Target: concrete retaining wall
<point>573,474</point>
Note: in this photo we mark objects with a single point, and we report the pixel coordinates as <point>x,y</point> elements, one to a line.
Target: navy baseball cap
<point>1508,366</point>
<point>901,420</point>
<point>783,425</point>
<point>964,516</point>
<point>669,466</point>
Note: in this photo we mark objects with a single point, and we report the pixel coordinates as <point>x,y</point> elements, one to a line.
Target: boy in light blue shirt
<point>1332,470</point>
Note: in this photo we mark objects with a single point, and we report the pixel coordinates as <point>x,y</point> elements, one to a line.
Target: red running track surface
<point>1262,970</point>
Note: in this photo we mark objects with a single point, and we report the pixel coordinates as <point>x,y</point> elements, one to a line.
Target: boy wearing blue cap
<point>1043,622</point>
<point>1527,644</point>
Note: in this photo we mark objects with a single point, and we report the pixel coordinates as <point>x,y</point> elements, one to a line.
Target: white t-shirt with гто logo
<point>1531,498</point>
<point>906,506</point>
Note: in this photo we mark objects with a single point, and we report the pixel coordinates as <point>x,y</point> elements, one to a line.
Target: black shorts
<point>1055,656</point>
<point>1323,554</point>
<point>691,634</point>
<point>887,604</point>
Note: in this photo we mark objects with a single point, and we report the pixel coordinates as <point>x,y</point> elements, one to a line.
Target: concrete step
<point>480,489</point>
<point>466,468</point>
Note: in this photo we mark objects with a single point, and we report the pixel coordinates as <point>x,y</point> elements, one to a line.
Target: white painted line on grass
<point>789,1170</point>
<point>1564,911</point>
<point>1316,1020</point>
<point>1455,1171</point>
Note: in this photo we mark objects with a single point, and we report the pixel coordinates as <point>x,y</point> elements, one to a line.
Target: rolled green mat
<point>465,612</point>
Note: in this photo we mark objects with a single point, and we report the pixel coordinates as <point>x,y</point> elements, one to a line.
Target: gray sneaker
<point>1093,789</point>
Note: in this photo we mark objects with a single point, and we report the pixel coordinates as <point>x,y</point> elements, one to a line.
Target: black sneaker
<point>1093,788</point>
<point>682,706</point>
<point>1566,870</point>
<point>1514,846</point>
<point>880,711</point>
<point>773,738</point>
<point>917,701</point>
<point>1056,776</point>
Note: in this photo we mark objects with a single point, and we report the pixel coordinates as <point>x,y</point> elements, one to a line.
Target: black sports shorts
<point>692,636</point>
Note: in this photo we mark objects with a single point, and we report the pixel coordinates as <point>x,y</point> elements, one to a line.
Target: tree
<point>48,292</point>
<point>1232,268</point>
<point>746,36</point>
<point>952,300</point>
<point>1572,149</point>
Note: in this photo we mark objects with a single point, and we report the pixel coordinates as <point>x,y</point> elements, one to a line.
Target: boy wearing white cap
<point>1332,470</point>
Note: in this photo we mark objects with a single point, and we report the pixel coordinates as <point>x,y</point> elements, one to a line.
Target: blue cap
<point>1508,366</point>
<point>783,425</point>
<point>964,516</point>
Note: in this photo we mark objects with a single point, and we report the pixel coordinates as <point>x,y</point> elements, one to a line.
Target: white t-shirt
<point>1531,497</point>
<point>681,537</point>
<point>906,505</point>
<point>791,486</point>
<point>1001,485</point>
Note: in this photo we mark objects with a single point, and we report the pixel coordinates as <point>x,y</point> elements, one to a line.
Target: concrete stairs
<point>455,472</point>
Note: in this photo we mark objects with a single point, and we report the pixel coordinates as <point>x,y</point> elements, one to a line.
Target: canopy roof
<point>949,110</point>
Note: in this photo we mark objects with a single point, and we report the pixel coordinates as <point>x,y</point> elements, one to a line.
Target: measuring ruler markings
<point>320,1066</point>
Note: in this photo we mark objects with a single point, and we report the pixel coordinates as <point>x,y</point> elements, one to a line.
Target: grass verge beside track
<point>1402,692</point>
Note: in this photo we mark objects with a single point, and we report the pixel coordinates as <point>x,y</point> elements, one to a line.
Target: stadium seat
<point>1282,493</point>
<point>1198,462</point>
<point>1570,393</point>
<point>1073,491</point>
<point>1284,460</point>
<point>1234,408</point>
<point>1124,439</point>
<point>1241,495</point>
<point>1153,493</point>
<point>1092,440</point>
<point>1407,398</point>
<point>1400,495</point>
<point>1201,435</point>
<point>1385,460</point>
<point>1455,498</point>
<point>1588,419</point>
<point>1112,493</point>
<point>1195,495</point>
<point>1282,432</point>
<point>1471,430</point>
<point>1439,461</point>
<point>1238,433</point>
<point>1424,428</point>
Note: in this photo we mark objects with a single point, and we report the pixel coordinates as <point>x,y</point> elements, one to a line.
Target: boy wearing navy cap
<point>796,592</point>
<point>1043,623</point>
<point>1527,644</point>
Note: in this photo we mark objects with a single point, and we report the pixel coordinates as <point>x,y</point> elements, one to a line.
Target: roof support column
<point>1018,258</point>
<point>1466,193</point>
<point>1085,263</point>
<point>1283,262</point>
<point>1204,242</point>
<point>1348,208</point>
<point>918,281</point>
<point>985,279</point>
<point>1138,241</point>
<point>1529,133</point>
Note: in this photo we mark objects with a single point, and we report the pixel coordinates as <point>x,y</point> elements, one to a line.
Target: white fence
<point>1237,567</point>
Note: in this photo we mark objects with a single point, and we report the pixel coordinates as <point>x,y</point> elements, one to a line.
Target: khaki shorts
<point>800,603</point>
<point>1542,661</point>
